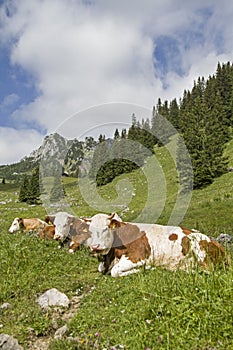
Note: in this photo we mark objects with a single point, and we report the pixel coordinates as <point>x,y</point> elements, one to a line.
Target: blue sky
<point>60,57</point>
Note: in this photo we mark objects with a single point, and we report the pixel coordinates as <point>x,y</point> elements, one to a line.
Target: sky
<point>63,61</point>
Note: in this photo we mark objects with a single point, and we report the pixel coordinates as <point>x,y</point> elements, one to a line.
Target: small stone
<point>7,342</point>
<point>60,332</point>
<point>53,297</point>
<point>6,306</point>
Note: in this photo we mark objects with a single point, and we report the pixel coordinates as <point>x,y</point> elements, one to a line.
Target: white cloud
<point>82,55</point>
<point>16,144</point>
<point>9,100</point>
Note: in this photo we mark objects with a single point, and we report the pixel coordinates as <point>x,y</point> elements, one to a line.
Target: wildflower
<point>97,334</point>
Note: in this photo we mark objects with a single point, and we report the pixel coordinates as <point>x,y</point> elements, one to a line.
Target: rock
<point>7,342</point>
<point>224,239</point>
<point>6,306</point>
<point>60,332</point>
<point>53,297</point>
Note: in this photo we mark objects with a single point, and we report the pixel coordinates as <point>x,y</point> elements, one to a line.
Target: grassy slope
<point>156,309</point>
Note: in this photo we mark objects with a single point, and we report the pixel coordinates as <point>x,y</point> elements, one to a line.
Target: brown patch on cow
<point>131,242</point>
<point>173,237</point>
<point>186,245</point>
<point>115,223</point>
<point>47,232</point>
<point>215,253</point>
<point>21,224</point>
<point>79,231</point>
<point>74,246</point>
<point>186,231</point>
<point>49,219</point>
<point>31,224</point>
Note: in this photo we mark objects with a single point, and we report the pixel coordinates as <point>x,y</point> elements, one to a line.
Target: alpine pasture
<point>154,309</point>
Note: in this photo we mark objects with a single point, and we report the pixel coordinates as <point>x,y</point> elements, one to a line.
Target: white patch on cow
<point>14,226</point>
<point>101,267</point>
<point>126,267</point>
<point>62,228</point>
<point>101,239</point>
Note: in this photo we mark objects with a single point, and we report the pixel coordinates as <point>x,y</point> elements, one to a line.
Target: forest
<point>202,117</point>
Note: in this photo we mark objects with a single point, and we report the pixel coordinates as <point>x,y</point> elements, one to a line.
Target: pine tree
<point>116,134</point>
<point>174,112</point>
<point>24,189</point>
<point>34,187</point>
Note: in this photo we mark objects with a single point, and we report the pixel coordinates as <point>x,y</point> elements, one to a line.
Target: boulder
<point>53,297</point>
<point>7,342</point>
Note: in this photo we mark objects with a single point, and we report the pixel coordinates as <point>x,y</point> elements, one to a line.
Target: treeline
<point>203,117</point>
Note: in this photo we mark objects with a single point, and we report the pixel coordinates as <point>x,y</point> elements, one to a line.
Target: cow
<point>125,246</point>
<point>47,232</point>
<point>69,229</point>
<point>27,225</point>
<point>79,233</point>
<point>59,220</point>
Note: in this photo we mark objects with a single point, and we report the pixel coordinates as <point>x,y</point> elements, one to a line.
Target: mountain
<point>55,154</point>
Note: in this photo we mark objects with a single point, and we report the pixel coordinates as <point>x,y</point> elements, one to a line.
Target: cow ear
<point>114,224</point>
<point>86,219</point>
<point>20,221</point>
<point>50,219</point>
<point>111,216</point>
<point>70,220</point>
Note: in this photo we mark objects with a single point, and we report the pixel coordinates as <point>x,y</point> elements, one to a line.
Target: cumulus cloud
<point>82,54</point>
<point>16,144</point>
<point>9,100</point>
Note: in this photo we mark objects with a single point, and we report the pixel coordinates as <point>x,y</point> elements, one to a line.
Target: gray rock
<point>53,297</point>
<point>6,306</point>
<point>7,342</point>
<point>60,332</point>
<point>224,238</point>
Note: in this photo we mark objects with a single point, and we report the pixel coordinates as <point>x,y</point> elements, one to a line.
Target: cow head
<point>16,225</point>
<point>62,227</point>
<point>102,236</point>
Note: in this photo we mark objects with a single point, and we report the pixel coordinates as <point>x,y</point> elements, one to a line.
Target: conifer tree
<point>34,187</point>
<point>24,189</point>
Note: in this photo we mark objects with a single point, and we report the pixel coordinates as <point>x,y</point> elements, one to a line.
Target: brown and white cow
<point>47,232</point>
<point>126,246</point>
<point>69,229</point>
<point>32,224</point>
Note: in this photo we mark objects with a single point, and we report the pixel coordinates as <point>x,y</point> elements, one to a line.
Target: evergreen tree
<point>101,156</point>
<point>116,135</point>
<point>174,112</point>
<point>160,125</point>
<point>34,187</point>
<point>24,189</point>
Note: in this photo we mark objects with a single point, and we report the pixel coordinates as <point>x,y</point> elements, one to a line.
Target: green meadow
<point>154,309</point>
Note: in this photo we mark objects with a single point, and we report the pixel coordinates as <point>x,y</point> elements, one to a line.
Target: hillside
<point>152,309</point>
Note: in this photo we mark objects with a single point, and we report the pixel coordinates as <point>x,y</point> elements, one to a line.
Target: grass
<point>154,309</point>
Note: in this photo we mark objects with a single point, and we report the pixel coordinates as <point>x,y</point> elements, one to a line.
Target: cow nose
<point>95,247</point>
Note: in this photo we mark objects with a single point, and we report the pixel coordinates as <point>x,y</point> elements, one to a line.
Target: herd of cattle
<point>122,247</point>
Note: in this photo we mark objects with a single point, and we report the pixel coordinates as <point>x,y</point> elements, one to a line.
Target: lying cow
<point>27,225</point>
<point>126,246</point>
<point>47,232</point>
<point>69,228</point>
